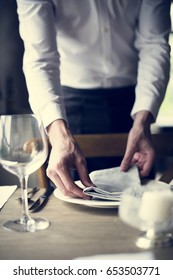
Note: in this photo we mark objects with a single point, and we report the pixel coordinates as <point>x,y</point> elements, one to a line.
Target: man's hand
<point>139,148</point>
<point>65,156</point>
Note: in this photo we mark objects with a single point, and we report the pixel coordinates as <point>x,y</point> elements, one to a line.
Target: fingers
<point>69,183</point>
<point>59,171</point>
<point>59,184</point>
<point>139,151</point>
<point>126,163</point>
<point>128,158</point>
<point>83,172</point>
<point>62,179</point>
<point>145,163</point>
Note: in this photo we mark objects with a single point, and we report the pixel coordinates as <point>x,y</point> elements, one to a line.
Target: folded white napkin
<point>110,183</point>
<point>5,193</point>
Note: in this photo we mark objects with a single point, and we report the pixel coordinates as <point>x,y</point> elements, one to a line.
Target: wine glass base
<point>32,225</point>
<point>156,242</point>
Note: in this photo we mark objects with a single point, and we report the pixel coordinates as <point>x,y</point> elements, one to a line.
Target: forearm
<point>153,77</point>
<point>142,123</point>
<point>41,59</point>
<point>154,55</point>
<point>143,119</point>
<point>59,133</point>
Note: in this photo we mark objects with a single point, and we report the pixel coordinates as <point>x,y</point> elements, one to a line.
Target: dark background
<point>13,91</point>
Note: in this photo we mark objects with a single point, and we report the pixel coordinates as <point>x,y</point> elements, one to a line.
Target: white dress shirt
<point>94,44</point>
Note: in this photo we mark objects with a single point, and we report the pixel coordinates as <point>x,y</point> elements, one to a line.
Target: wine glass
<point>23,149</point>
<point>149,208</point>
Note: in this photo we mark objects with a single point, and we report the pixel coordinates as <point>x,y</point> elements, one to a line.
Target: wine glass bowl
<point>149,208</point>
<point>23,149</point>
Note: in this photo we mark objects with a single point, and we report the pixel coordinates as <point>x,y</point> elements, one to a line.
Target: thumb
<point>127,159</point>
<point>83,174</point>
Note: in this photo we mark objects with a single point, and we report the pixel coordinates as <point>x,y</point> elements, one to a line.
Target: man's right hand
<point>66,155</point>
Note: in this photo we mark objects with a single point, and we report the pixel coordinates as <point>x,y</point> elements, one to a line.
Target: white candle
<point>156,206</point>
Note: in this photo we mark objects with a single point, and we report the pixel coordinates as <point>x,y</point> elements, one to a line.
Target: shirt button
<point>106,29</point>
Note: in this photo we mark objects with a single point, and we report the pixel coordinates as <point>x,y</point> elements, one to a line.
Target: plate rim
<point>96,203</point>
<point>86,202</point>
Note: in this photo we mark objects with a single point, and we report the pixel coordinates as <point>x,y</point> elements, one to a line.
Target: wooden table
<point>75,231</point>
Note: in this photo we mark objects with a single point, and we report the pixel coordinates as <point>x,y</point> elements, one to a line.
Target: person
<point>95,66</point>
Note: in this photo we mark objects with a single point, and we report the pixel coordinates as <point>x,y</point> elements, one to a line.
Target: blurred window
<point>165,117</point>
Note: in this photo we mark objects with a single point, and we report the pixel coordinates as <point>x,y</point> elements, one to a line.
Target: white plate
<point>91,203</point>
<point>102,203</point>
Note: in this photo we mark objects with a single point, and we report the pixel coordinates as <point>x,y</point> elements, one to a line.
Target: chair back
<point>114,145</point>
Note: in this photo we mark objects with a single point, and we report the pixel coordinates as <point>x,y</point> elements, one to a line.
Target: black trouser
<point>91,111</point>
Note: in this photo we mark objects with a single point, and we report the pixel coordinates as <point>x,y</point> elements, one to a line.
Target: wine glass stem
<point>25,214</point>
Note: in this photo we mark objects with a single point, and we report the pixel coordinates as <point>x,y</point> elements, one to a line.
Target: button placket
<point>105,39</point>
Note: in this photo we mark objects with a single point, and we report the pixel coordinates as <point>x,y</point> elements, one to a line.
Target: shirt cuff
<point>51,112</point>
<point>146,104</point>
